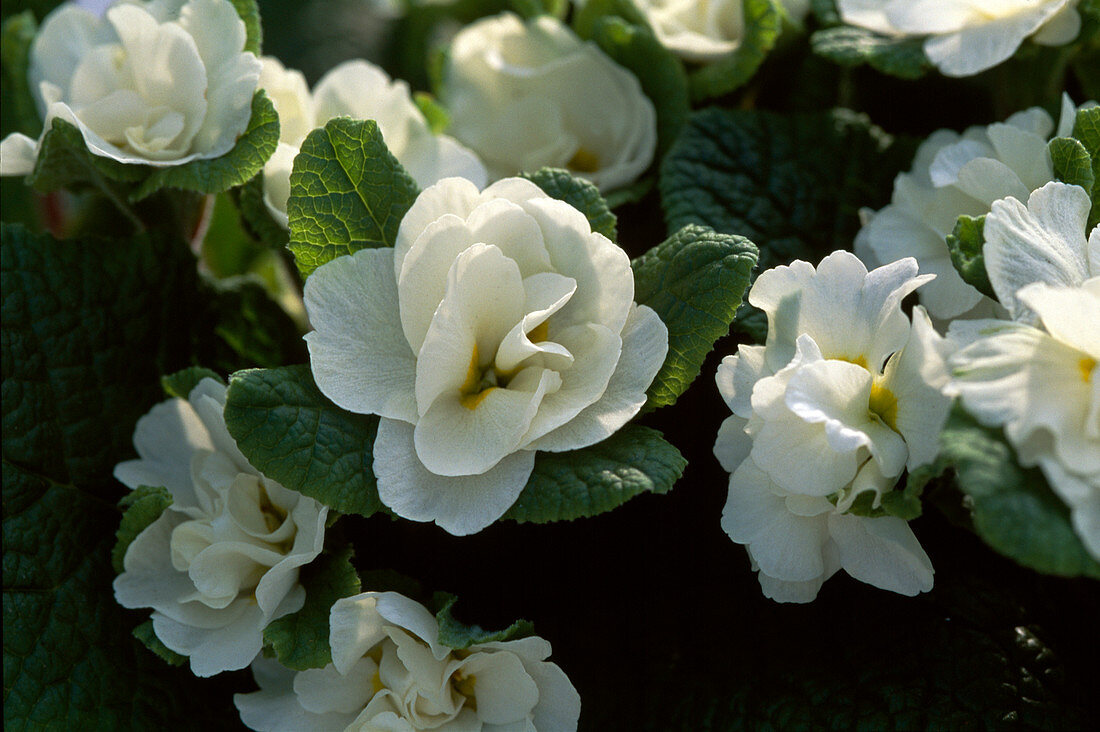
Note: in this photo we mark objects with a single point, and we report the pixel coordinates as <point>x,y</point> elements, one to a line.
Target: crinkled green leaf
<point>965,246</point>
<point>851,46</point>
<point>253,325</point>
<point>347,193</point>
<point>73,314</point>
<point>695,280</point>
<point>255,145</point>
<point>580,194</point>
<point>148,638</point>
<point>1086,129</point>
<point>763,19</point>
<point>143,507</point>
<point>300,640</point>
<point>593,480</point>
<point>64,162</point>
<point>257,220</point>
<point>620,31</point>
<point>1072,163</point>
<point>254,32</point>
<point>16,37</point>
<point>291,433</point>
<point>1013,509</point>
<point>457,635</point>
<point>181,383</point>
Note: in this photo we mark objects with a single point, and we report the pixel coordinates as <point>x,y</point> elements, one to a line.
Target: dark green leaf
<point>851,46</point>
<point>143,507</point>
<point>763,20</point>
<point>291,433</point>
<point>596,479</point>
<point>1086,129</point>
<point>965,245</point>
<point>459,636</point>
<point>64,162</point>
<point>181,383</point>
<point>347,193</point>
<point>1013,508</point>
<point>253,325</point>
<point>15,44</point>
<point>438,118</point>
<point>238,166</point>
<point>257,220</point>
<point>300,639</point>
<point>695,280</point>
<point>826,12</point>
<point>578,193</point>
<point>254,32</point>
<point>1072,162</point>
<point>148,638</point>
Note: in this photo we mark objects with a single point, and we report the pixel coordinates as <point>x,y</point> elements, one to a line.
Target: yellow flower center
<point>465,686</point>
<point>583,161</point>
<point>884,405</point>
<point>1086,365</point>
<point>473,389</point>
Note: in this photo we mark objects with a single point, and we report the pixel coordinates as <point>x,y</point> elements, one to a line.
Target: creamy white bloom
<point>965,37</point>
<point>499,325</point>
<point>390,672</point>
<point>530,95</point>
<point>954,175</point>
<point>153,83</point>
<point>845,395</point>
<point>222,561</point>
<point>361,90</point>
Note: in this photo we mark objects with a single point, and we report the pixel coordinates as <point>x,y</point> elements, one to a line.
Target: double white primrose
<point>527,95</point>
<point>149,83</point>
<point>965,37</point>
<point>390,672</point>
<point>360,90</point>
<point>1037,376</point>
<point>844,396</point>
<point>500,324</point>
<point>954,175</point>
<point>222,561</point>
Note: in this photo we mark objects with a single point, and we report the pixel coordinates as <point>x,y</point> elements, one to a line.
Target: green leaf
<point>148,638</point>
<point>238,166</point>
<point>254,32</point>
<point>347,193</point>
<point>580,194</point>
<point>826,12</point>
<point>255,217</point>
<point>64,162</point>
<point>181,383</point>
<point>965,246</point>
<point>1013,508</point>
<point>1086,129</point>
<point>16,37</point>
<point>143,507</point>
<point>695,280</point>
<point>567,485</point>
<point>252,325</point>
<point>620,31</point>
<point>1072,163</point>
<point>438,118</point>
<point>455,634</point>
<point>300,640</point>
<point>227,248</point>
<point>291,433</point>
<point>852,46</point>
<point>763,20</point>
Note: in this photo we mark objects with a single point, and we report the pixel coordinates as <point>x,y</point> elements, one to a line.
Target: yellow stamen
<point>884,405</point>
<point>376,681</point>
<point>464,684</point>
<point>540,332</point>
<point>858,360</point>
<point>472,393</point>
<point>584,161</point>
<point>1086,365</point>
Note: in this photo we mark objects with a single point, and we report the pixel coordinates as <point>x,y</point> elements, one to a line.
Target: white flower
<point>965,37</point>
<point>390,672</point>
<point>500,324</point>
<point>1038,377</point>
<point>845,395</point>
<point>222,561</point>
<point>361,90</point>
<point>530,95</point>
<point>953,175</point>
<point>153,83</point>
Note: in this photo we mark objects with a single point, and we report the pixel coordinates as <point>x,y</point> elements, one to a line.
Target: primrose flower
<point>390,672</point>
<point>149,83</point>
<point>1038,376</point>
<point>222,561</point>
<point>845,394</point>
<point>527,95</point>
<point>953,175</point>
<point>499,325</point>
<point>361,90</point>
<point>964,37</point>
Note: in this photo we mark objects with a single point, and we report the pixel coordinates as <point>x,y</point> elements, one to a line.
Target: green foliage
<point>1072,162</point>
<point>142,507</point>
<point>593,480</point>
<point>580,194</point>
<point>763,21</point>
<point>254,32</point>
<point>181,383</point>
<point>252,325</point>
<point>300,640</point>
<point>16,37</point>
<point>1086,129</point>
<point>620,30</point>
<point>64,162</point>
<point>438,118</point>
<point>852,46</point>
<point>347,193</point>
<point>695,280</point>
<point>965,246</point>
<point>214,175</point>
<point>291,433</point>
<point>1012,508</point>
<point>255,217</point>
<point>148,638</point>
<point>901,502</point>
<point>459,636</point>
<point>72,389</point>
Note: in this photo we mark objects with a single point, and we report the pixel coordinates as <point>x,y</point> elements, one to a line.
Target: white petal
<point>212,651</point>
<point>738,374</point>
<point>18,154</point>
<point>456,196</point>
<point>882,552</point>
<point>322,690</point>
<point>1070,314</point>
<point>275,707</point>
<point>165,439</point>
<point>504,692</point>
<point>733,444</point>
